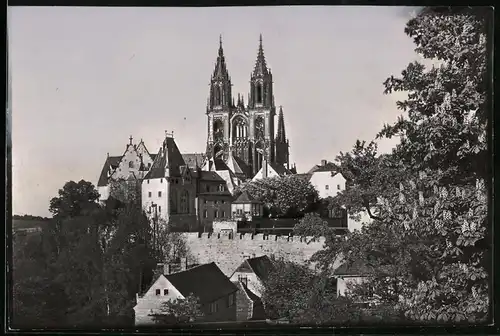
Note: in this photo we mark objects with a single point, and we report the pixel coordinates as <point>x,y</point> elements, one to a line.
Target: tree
<point>179,311</point>
<point>172,245</point>
<point>430,242</point>
<point>295,292</point>
<point>284,196</point>
<point>126,190</point>
<point>311,225</point>
<point>447,107</point>
<point>74,199</point>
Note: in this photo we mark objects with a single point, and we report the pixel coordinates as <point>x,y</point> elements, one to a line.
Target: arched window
<point>218,130</point>
<point>239,128</point>
<point>185,202</point>
<point>131,164</point>
<point>258,89</point>
<point>218,95</point>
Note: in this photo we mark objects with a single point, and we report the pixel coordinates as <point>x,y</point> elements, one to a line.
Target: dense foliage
<point>298,294</point>
<point>86,266</point>
<point>179,311</point>
<point>286,196</point>
<point>428,247</point>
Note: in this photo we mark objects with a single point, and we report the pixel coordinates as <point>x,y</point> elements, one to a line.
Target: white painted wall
<point>103,192</point>
<point>123,170</point>
<point>326,184</point>
<point>153,186</point>
<point>253,283</point>
<point>270,173</point>
<point>151,303</point>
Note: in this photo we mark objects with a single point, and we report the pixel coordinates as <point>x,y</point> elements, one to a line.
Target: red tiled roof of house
<point>261,266</point>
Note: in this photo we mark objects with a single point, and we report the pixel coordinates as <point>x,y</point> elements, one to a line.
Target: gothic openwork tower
<point>245,133</point>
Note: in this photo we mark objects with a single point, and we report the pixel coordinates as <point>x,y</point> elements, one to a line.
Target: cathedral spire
<point>281,136</point>
<point>220,71</point>
<point>260,65</point>
<point>220,83</point>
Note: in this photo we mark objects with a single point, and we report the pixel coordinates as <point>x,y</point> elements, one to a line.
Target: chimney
<point>183,264</point>
<point>158,270</point>
<point>167,269</point>
<point>323,162</point>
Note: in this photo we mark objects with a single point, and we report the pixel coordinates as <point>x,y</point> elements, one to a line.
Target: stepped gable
<point>207,282</point>
<point>110,164</point>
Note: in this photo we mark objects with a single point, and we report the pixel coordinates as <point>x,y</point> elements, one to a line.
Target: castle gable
<point>110,165</point>
<point>129,164</point>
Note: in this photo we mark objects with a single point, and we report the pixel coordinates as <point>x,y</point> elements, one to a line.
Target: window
<point>149,193</point>
<point>159,193</point>
<point>216,213</point>
<point>338,186</point>
<point>158,292</point>
<point>216,202</point>
<point>149,166</point>
<point>207,188</point>
<point>185,202</point>
<point>131,164</point>
<point>230,300</point>
<point>148,181</point>
<point>161,180</point>
<point>165,291</point>
<point>259,93</point>
<point>327,187</point>
<point>205,214</point>
<point>223,202</point>
<point>214,307</point>
<point>223,214</point>
<point>159,208</point>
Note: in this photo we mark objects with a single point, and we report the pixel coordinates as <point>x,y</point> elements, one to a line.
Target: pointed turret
<point>220,71</point>
<point>260,69</point>
<point>281,136</point>
<point>261,82</point>
<point>282,152</point>
<point>220,83</point>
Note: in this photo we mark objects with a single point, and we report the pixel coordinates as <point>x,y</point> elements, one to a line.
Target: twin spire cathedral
<point>245,133</point>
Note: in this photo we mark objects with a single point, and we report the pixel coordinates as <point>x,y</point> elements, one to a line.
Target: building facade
<point>245,131</point>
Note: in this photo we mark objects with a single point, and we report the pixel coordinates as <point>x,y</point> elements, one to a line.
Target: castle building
<point>244,135</point>
<point>241,145</point>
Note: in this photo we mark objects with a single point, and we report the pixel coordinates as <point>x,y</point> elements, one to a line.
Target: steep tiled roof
<point>281,170</point>
<point>306,176</point>
<point>244,197</point>
<point>261,266</point>
<point>193,159</point>
<point>237,165</point>
<point>322,168</point>
<point>168,154</point>
<point>111,162</point>
<point>211,176</point>
<point>206,282</point>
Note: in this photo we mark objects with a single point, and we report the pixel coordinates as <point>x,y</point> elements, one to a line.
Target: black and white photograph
<point>249,167</point>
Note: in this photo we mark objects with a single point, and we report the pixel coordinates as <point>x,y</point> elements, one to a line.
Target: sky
<point>86,79</point>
